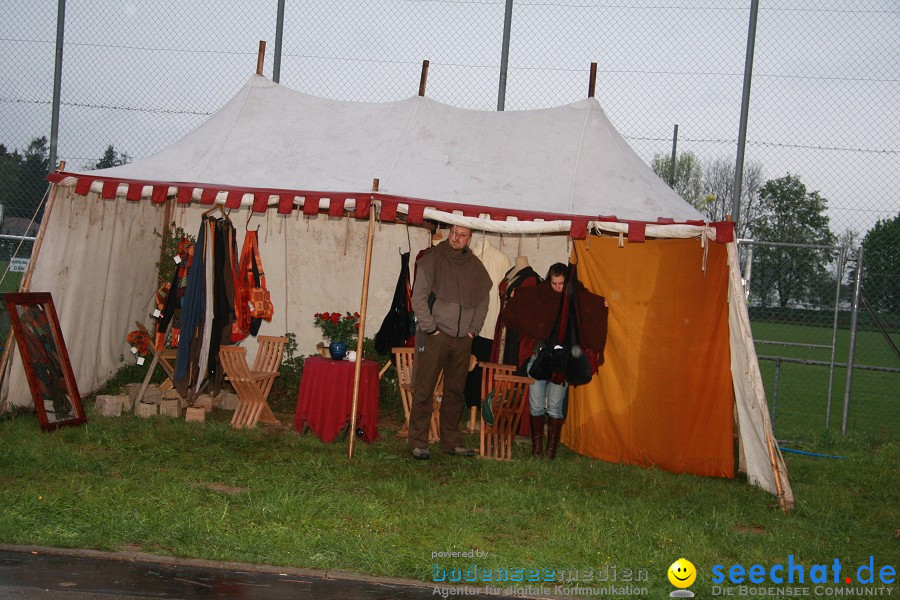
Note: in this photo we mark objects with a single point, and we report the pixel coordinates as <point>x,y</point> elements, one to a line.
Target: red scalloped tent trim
<point>415,214</point>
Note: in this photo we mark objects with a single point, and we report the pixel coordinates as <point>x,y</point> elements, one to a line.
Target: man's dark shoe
<point>421,453</point>
<point>461,451</point>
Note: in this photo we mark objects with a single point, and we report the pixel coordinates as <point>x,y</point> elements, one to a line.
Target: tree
<point>111,158</point>
<point>881,265</point>
<point>23,178</point>
<point>10,178</point>
<point>688,176</point>
<point>718,187</point>
<point>790,214</point>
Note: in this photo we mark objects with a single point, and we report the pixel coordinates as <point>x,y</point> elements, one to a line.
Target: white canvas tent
<point>287,156</point>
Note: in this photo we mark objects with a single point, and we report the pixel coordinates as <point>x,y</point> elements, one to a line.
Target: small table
<point>325,399</point>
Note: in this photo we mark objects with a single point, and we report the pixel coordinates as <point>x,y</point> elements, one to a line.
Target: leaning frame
<point>39,339</point>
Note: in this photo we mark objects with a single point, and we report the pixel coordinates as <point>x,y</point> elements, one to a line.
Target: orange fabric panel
<point>664,395</point>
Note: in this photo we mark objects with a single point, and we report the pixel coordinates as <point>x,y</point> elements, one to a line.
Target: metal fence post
<point>57,82</point>
<point>775,393</point>
<point>745,109</point>
<point>674,155</point>
<point>851,353</point>
<point>279,35</point>
<point>837,305</point>
<point>504,55</point>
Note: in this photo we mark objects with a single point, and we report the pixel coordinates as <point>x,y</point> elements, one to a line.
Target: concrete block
<point>146,409</point>
<point>195,414</point>
<point>204,401</point>
<point>226,401</point>
<point>170,408</point>
<point>108,406</point>
<point>153,395</point>
<point>132,390</point>
<point>171,394</point>
<point>174,395</point>
<point>127,402</point>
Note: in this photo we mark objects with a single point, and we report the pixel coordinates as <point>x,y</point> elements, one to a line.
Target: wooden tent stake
<point>260,57</point>
<point>363,302</point>
<point>423,79</point>
<point>592,85</point>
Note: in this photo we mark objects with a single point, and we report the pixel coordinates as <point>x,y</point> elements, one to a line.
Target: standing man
<point>450,298</point>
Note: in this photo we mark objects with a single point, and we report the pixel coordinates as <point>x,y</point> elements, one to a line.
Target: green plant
<point>284,391</point>
<point>170,243</point>
<point>128,373</point>
<point>339,328</point>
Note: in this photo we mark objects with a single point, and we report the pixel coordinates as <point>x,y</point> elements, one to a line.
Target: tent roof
<point>553,163</point>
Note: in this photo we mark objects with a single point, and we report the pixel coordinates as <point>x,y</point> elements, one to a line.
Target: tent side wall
<point>664,395</point>
<point>315,264</point>
<point>98,260</point>
<point>761,456</point>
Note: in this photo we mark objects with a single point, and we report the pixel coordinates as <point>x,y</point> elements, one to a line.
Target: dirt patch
<point>220,487</point>
<point>750,529</point>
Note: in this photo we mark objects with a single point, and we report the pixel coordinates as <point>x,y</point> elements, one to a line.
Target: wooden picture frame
<point>39,339</point>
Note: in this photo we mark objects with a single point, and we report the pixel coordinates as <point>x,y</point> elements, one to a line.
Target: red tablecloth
<point>325,398</point>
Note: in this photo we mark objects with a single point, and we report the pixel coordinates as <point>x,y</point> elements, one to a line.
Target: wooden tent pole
<point>592,84</point>
<point>423,78</point>
<point>26,279</point>
<point>776,472</point>
<point>260,56</point>
<point>363,302</point>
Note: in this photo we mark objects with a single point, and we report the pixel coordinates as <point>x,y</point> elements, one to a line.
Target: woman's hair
<point>557,269</point>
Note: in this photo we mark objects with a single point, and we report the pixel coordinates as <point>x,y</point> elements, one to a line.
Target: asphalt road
<point>56,574</point>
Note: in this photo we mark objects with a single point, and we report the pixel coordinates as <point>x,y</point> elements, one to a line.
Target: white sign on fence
<point>18,265</point>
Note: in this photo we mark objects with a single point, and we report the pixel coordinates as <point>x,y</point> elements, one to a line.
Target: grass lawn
<point>271,496</point>
<point>9,284</point>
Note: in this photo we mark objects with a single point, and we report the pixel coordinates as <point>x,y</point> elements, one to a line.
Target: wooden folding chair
<point>490,370</point>
<point>403,361</point>
<point>165,359</point>
<point>252,405</point>
<point>510,403</point>
<point>267,363</point>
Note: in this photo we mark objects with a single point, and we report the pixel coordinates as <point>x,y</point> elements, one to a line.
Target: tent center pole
<point>363,304</point>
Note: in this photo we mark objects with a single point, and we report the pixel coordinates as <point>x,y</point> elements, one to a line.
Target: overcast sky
<point>139,74</point>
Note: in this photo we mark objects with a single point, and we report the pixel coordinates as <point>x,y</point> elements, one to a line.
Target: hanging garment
<point>222,301</point>
<point>172,302</point>
<point>240,327</point>
<point>497,265</point>
<point>577,323</point>
<point>206,331</point>
<point>398,327</point>
<point>193,306</point>
<point>507,348</point>
<point>257,297</point>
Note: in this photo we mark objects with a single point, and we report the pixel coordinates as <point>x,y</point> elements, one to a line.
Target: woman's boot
<point>553,431</point>
<point>537,436</point>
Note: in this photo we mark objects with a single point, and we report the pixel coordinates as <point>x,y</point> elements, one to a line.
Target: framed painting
<point>35,325</point>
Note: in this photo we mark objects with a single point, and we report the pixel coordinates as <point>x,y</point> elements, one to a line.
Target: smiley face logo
<point>682,573</point>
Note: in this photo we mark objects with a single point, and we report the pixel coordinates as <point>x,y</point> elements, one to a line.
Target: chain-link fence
<point>137,76</point>
<point>802,299</point>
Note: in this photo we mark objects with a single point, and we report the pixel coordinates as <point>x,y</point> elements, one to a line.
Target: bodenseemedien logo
<point>682,574</point>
